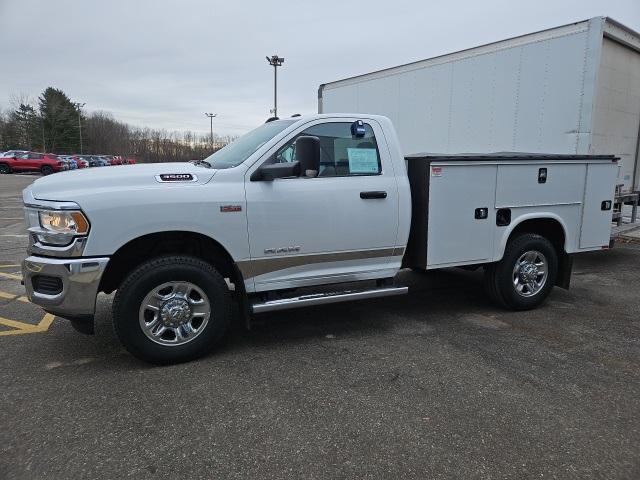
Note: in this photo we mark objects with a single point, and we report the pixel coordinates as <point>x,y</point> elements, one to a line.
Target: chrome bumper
<point>80,281</point>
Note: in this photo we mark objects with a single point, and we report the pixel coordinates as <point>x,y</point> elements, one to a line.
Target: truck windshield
<point>238,151</point>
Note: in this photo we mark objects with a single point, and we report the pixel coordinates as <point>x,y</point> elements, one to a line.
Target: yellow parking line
<point>22,328</point>
<point>11,296</point>
<point>19,325</point>
<point>15,332</point>
<point>46,322</point>
<point>11,276</point>
<point>8,266</point>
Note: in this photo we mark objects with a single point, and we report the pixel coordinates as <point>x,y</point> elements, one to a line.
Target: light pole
<point>44,147</point>
<point>275,61</point>
<point>211,117</point>
<point>78,107</point>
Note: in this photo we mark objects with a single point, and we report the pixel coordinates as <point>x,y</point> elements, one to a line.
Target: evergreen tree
<point>29,127</point>
<point>60,119</point>
<point>56,119</point>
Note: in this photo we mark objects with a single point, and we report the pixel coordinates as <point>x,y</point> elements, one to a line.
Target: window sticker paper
<point>362,160</point>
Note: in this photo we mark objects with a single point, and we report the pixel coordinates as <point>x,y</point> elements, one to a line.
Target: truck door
<point>338,226</point>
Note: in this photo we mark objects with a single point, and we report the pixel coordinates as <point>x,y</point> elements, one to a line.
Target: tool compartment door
<point>455,235</point>
<point>539,184</point>
<point>596,221</point>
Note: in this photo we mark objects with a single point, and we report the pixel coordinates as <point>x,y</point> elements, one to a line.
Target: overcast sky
<point>163,63</point>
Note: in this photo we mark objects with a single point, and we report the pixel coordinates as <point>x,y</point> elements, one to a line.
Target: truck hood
<point>70,185</point>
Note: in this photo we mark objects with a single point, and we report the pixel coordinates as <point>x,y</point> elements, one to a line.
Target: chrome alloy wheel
<point>530,273</point>
<point>174,313</point>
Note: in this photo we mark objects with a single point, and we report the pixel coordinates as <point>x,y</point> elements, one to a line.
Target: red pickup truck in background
<point>45,163</point>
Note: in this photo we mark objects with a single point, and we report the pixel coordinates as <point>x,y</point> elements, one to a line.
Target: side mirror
<point>308,154</point>
<point>276,170</point>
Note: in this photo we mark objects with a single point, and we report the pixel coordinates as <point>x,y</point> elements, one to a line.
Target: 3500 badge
<point>176,177</point>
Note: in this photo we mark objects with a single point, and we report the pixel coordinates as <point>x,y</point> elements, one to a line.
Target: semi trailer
<point>573,89</point>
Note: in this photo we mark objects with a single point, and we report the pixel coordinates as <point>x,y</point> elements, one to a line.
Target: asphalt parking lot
<point>437,384</point>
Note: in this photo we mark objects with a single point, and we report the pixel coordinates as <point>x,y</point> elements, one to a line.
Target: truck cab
<point>352,214</point>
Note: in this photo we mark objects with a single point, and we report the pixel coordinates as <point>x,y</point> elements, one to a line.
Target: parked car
<point>113,159</point>
<point>85,160</point>
<point>73,162</point>
<point>76,159</point>
<point>45,163</point>
<point>66,163</point>
<point>69,161</point>
<point>81,161</point>
<point>97,161</point>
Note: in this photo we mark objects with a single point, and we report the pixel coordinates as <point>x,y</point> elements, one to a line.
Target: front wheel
<point>172,309</point>
<point>4,168</point>
<point>525,276</point>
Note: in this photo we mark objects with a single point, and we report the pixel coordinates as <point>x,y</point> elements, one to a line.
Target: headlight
<point>58,227</point>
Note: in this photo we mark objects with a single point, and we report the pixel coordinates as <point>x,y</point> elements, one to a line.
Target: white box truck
<point>574,89</point>
<point>287,214</point>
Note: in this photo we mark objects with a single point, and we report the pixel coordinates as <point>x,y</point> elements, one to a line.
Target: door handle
<point>374,194</point>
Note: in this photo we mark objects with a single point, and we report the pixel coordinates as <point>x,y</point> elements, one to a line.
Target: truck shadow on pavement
<point>449,304</point>
<point>434,298</point>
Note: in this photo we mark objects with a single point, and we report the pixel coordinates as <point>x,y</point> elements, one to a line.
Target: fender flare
<point>521,219</point>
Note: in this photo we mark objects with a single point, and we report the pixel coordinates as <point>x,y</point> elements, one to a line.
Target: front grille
<point>47,285</point>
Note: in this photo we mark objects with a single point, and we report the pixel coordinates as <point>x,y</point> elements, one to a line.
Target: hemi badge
<point>230,208</point>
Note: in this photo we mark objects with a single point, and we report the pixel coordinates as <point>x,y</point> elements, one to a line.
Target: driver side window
<point>287,153</point>
<point>341,153</point>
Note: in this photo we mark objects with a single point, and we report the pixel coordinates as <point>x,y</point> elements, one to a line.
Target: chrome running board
<point>325,298</point>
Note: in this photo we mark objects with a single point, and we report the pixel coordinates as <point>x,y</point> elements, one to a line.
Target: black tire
<point>46,170</point>
<point>499,276</point>
<point>150,275</point>
<point>5,169</point>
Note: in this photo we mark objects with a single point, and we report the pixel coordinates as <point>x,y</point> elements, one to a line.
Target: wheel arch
<point>553,228</point>
<point>550,226</point>
<point>151,245</point>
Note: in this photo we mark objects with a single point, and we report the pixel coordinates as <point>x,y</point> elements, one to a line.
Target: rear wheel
<point>172,309</point>
<point>4,168</point>
<point>46,170</point>
<point>526,274</point>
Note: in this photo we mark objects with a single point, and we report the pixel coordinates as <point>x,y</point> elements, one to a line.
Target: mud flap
<point>565,266</point>
<point>81,323</point>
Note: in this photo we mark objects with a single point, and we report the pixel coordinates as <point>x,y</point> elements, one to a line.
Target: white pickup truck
<point>311,201</point>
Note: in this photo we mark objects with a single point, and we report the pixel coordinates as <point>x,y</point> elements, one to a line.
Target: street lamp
<point>44,146</point>
<point>211,117</point>
<point>79,107</point>
<point>275,61</point>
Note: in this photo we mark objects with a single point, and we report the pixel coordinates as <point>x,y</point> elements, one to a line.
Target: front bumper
<point>80,278</point>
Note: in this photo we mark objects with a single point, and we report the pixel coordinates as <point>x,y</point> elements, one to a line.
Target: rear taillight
<point>60,164</point>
